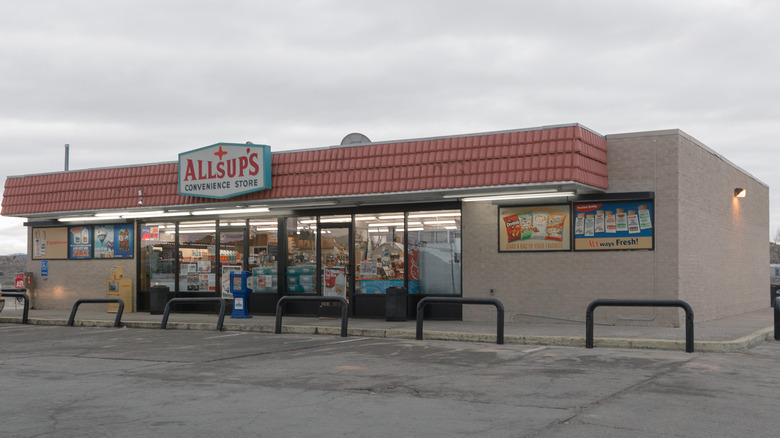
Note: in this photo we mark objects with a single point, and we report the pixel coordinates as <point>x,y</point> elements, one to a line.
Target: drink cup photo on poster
<point>104,241</point>
<point>79,242</point>
<point>113,241</point>
<point>627,225</point>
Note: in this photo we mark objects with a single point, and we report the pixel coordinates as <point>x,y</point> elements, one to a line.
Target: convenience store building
<point>544,219</point>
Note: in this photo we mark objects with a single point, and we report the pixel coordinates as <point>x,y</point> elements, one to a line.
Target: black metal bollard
<point>777,319</point>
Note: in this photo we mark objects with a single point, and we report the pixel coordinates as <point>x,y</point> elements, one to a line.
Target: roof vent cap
<point>355,138</point>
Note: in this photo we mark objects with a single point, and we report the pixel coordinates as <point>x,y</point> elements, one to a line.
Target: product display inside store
<point>377,249</point>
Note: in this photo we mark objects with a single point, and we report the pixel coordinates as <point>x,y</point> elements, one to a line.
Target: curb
<point>740,344</point>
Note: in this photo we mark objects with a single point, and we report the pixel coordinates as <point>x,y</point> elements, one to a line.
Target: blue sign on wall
<point>44,268</point>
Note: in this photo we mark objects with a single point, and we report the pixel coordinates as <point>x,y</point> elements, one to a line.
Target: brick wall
<point>724,241</point>
<point>70,280</point>
<point>699,232</point>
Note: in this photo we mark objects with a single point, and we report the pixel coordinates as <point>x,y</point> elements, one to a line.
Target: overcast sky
<point>128,82</point>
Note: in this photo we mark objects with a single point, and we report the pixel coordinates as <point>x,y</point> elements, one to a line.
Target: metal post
<point>219,300</point>
<point>641,303</point>
<point>19,293</point>
<point>344,310</point>
<point>120,309</point>
<point>460,300</point>
<point>777,319</point>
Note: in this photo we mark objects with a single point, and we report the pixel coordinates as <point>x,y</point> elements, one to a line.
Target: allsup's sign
<point>225,170</point>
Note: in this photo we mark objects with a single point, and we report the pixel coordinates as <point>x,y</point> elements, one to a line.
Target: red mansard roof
<point>525,157</point>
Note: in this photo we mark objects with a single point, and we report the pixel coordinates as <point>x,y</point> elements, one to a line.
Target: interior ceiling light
<point>266,224</point>
<point>391,217</point>
<point>518,196</point>
<point>231,211</point>
<point>197,224</point>
<point>394,224</point>
<point>335,219</point>
<point>449,214</point>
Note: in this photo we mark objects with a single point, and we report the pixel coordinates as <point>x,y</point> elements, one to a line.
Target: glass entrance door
<point>336,260</point>
<point>231,256</point>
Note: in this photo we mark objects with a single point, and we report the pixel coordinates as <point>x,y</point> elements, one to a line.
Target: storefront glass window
<point>301,254</point>
<point>197,263</point>
<point>379,252</point>
<point>263,250</point>
<point>231,255</point>
<point>158,255</point>
<point>435,252</point>
<point>335,241</point>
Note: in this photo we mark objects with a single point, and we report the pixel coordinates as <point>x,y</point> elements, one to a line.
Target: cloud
<point>138,82</point>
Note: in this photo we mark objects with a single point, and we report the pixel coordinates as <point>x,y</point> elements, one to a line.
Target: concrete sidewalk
<point>731,334</point>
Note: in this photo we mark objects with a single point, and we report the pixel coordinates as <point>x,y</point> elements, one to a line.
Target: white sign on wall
<point>225,170</point>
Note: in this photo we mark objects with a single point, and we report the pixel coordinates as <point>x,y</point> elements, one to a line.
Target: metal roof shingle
<point>568,153</point>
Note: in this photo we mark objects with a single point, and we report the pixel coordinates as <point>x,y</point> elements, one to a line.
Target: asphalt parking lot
<point>95,381</point>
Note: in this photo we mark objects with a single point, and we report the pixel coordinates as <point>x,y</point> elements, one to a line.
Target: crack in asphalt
<point>579,411</point>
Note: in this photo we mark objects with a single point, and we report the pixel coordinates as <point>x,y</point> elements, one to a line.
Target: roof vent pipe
<point>67,157</point>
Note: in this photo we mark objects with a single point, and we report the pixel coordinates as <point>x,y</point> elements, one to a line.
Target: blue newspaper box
<point>240,294</point>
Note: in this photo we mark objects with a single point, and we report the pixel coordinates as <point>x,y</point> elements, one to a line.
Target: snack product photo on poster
<point>604,226</point>
<point>534,228</point>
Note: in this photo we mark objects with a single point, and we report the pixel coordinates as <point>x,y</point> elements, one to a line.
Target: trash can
<point>158,298</point>
<point>774,292</point>
<point>395,304</point>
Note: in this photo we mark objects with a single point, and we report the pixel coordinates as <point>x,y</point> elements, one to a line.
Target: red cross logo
<point>220,153</point>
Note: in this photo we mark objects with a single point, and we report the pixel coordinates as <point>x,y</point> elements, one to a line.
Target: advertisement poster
<point>113,241</point>
<point>200,283</point>
<point>50,243</point>
<point>368,269</point>
<point>150,233</point>
<point>534,228</point>
<point>80,239</point>
<point>335,283</point>
<point>604,226</point>
<point>226,280</point>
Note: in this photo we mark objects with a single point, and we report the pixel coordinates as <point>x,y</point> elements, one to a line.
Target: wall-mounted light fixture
<point>740,192</point>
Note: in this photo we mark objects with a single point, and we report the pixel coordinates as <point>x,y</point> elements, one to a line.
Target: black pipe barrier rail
<point>777,319</point>
<point>117,321</point>
<point>219,300</point>
<point>458,300</point>
<point>280,306</point>
<point>640,303</point>
<point>19,293</point>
